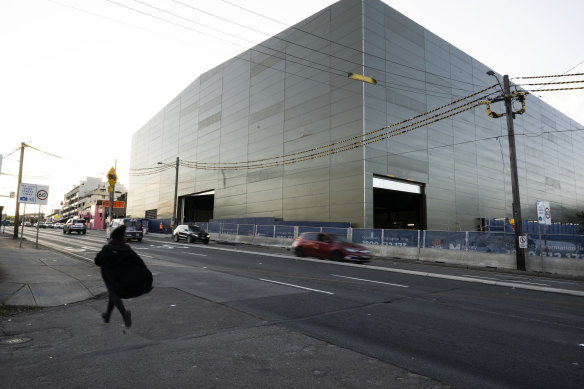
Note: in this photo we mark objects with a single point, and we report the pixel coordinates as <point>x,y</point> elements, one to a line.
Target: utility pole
<point>516,207</point>
<point>175,195</point>
<point>514,178</point>
<point>17,211</point>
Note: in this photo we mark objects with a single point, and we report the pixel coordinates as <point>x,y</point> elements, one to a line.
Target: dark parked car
<point>190,233</point>
<point>75,225</point>
<point>134,229</point>
<point>329,246</point>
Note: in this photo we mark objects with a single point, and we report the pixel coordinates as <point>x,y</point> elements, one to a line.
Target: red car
<point>329,246</point>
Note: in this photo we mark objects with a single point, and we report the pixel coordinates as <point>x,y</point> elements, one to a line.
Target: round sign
<point>42,194</point>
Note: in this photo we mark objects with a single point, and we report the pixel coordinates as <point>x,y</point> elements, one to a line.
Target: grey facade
<point>291,94</point>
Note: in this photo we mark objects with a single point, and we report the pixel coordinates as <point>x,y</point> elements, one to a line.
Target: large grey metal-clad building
<point>290,97</point>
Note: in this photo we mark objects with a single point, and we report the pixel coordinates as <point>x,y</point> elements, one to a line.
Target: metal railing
<point>553,245</point>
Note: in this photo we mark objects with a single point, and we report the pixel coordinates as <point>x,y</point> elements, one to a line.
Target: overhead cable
<point>368,133</point>
<point>339,71</point>
<point>556,75</point>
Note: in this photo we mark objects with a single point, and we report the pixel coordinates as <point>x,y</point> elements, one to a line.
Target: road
<point>462,333</point>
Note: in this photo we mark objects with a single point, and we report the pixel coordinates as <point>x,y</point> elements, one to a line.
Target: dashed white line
<point>201,255</point>
<point>376,282</point>
<point>296,286</point>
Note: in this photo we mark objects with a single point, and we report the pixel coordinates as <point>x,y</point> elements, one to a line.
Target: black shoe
<point>128,319</point>
<point>105,317</point>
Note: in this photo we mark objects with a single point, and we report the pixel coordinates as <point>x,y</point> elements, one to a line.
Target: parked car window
<point>133,223</point>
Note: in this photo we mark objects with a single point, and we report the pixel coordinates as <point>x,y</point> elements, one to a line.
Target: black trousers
<point>115,300</point>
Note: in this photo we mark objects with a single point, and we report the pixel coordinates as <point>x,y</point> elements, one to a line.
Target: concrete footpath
<point>176,341</point>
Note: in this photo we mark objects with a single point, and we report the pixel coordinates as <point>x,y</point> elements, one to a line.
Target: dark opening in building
<point>398,204</point>
<point>196,207</point>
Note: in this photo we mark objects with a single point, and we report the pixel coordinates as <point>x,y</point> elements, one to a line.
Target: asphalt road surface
<point>461,333</point>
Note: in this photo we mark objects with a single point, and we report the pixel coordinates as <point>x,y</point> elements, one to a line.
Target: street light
<point>173,221</point>
<point>492,73</point>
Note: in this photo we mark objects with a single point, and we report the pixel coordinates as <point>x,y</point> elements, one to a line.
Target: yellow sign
<point>360,77</point>
<point>112,177</point>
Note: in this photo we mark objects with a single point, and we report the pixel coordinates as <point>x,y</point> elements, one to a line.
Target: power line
<point>554,83</point>
<point>556,75</point>
<point>34,148</point>
<point>360,136</point>
<point>339,71</point>
<point>359,51</point>
<point>393,85</point>
<point>337,147</point>
<point>555,89</point>
<point>364,142</point>
<point>15,150</point>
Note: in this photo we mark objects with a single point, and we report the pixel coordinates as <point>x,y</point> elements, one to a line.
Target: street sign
<point>112,177</point>
<point>523,241</point>
<point>33,194</point>
<point>117,204</point>
<point>544,214</point>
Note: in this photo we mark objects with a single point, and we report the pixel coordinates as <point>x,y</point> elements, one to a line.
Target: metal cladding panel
<point>258,106</point>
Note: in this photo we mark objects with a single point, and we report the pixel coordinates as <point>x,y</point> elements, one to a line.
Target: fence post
<point>295,232</point>
<point>466,241</point>
<point>274,235</point>
<point>350,234</point>
<point>382,236</point>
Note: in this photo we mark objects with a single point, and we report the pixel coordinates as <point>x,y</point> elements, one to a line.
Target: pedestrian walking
<point>124,274</point>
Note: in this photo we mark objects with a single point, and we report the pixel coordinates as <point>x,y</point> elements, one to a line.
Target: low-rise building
<point>86,200</point>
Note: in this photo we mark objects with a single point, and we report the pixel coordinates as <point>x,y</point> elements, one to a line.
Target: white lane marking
<point>147,256</point>
<point>483,278</point>
<point>201,255</point>
<point>376,282</point>
<point>296,286</point>
<point>508,280</point>
<point>529,283</point>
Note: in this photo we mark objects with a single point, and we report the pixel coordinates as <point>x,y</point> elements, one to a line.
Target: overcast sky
<point>79,77</point>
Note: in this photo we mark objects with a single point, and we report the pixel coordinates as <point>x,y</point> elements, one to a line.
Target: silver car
<point>75,224</point>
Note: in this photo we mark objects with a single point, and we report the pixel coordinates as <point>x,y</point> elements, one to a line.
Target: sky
<point>79,77</point>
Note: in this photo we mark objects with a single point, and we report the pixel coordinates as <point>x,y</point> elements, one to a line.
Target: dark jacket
<point>122,270</point>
